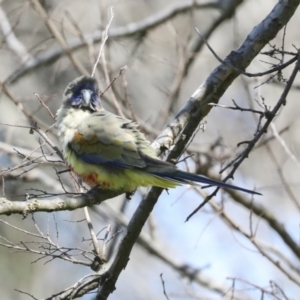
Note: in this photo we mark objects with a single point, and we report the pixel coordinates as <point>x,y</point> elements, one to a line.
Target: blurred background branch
<point>153,60</point>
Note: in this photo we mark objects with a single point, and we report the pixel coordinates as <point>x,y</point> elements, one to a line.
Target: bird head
<point>82,93</point>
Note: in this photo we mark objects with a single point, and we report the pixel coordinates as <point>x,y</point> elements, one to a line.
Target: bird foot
<point>129,195</point>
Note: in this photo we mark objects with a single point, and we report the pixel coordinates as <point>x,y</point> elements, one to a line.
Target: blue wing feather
<point>99,160</point>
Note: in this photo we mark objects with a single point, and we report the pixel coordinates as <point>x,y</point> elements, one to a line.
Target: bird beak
<point>86,96</point>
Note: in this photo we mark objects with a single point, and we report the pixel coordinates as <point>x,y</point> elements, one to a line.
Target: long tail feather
<point>185,177</point>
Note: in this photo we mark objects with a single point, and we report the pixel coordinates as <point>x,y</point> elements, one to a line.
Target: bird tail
<point>188,178</point>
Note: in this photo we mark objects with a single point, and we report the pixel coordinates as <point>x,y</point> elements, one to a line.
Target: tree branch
<point>57,203</point>
<point>139,27</point>
<point>189,118</point>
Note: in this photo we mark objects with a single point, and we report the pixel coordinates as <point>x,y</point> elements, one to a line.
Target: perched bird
<point>108,150</point>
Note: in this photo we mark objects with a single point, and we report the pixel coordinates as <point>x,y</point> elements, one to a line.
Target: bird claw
<point>129,195</point>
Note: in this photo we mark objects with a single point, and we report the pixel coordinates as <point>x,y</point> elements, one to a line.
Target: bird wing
<point>106,139</point>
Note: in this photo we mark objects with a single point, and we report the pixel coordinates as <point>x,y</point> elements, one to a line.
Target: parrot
<point>110,151</point>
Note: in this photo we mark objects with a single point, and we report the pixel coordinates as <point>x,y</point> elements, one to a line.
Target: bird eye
<point>76,100</point>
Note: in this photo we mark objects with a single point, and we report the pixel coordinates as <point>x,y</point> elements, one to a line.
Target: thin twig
<point>104,39</point>
<point>163,285</point>
<point>47,107</point>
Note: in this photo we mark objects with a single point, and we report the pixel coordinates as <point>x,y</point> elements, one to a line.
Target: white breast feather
<point>68,119</point>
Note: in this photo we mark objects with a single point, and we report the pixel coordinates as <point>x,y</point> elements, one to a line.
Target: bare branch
<point>39,8</point>
<point>56,203</point>
<point>189,118</point>
<point>104,39</point>
<point>148,23</point>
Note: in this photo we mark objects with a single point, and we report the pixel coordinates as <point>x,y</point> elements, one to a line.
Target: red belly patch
<point>92,180</point>
<point>104,184</point>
